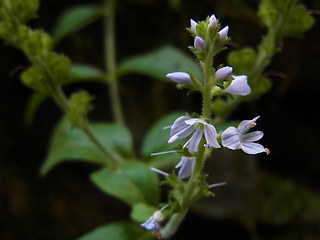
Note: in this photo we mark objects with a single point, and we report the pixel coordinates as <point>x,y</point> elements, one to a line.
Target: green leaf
<point>132,182</point>
<point>20,9</point>
<point>286,17</point>
<point>72,144</point>
<point>242,61</point>
<point>83,72</point>
<point>156,140</point>
<point>160,62</point>
<point>33,105</point>
<point>118,231</point>
<point>75,18</point>
<point>141,212</point>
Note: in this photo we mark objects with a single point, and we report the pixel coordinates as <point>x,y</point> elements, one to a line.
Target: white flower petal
<point>210,134</point>
<point>195,140</point>
<point>230,138</point>
<point>252,137</point>
<point>223,73</point>
<point>178,125</point>
<point>252,148</point>
<point>239,86</point>
<point>179,77</point>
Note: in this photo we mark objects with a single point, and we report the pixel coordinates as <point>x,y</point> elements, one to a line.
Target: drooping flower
<point>223,73</point>
<point>179,77</point>
<point>239,86</point>
<point>186,166</point>
<point>224,34</point>
<point>200,44</point>
<point>153,223</point>
<point>184,126</point>
<point>237,138</point>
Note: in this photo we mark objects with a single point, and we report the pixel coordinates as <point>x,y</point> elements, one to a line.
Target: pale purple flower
<point>186,166</point>
<point>223,73</point>
<point>239,86</point>
<point>184,126</point>
<point>179,77</point>
<point>213,21</point>
<point>193,25</point>
<point>224,33</point>
<point>237,138</point>
<point>153,223</point>
<point>200,44</point>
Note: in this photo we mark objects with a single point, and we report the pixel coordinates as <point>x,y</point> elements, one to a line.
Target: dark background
<point>65,204</point>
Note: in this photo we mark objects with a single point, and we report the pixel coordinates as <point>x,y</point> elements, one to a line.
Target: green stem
<point>110,61</point>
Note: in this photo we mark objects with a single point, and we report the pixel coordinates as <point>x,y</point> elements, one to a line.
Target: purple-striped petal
<point>252,148</point>
<point>230,138</point>
<point>195,140</point>
<point>186,166</point>
<point>210,134</point>
<point>178,125</point>
<point>252,137</point>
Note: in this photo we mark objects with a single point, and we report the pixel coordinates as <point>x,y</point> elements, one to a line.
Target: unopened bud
<point>193,25</point>
<point>200,44</point>
<point>223,73</point>
<point>213,21</point>
<point>179,77</point>
<point>224,33</point>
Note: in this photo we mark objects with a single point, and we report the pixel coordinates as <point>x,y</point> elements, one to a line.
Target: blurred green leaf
<point>242,60</point>
<point>160,62</point>
<point>75,18</point>
<point>141,212</point>
<point>33,105</point>
<point>22,10</point>
<point>286,16</point>
<point>83,72</point>
<point>156,139</point>
<point>72,144</point>
<point>118,231</point>
<point>132,182</point>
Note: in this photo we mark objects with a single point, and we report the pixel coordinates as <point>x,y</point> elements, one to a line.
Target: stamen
<point>159,171</point>
<point>166,127</point>
<point>267,151</point>
<point>160,153</point>
<point>252,125</point>
<point>217,184</point>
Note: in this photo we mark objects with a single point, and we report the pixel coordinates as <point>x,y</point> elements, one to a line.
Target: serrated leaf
<point>118,231</point>
<point>132,182</point>
<point>141,212</point>
<point>69,144</point>
<point>160,62</point>
<point>75,18</point>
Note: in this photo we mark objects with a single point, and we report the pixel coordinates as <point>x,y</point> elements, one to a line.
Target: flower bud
<point>213,21</point>
<point>200,44</point>
<point>224,33</point>
<point>193,25</point>
<point>179,77</point>
<point>223,73</point>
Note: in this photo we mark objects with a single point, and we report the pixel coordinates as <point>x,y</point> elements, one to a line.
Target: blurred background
<point>269,197</point>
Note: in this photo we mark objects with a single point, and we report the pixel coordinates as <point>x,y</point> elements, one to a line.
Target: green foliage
<point>79,109</point>
<point>83,72</point>
<point>21,10</point>
<point>288,17</point>
<point>118,231</point>
<point>76,18</point>
<point>132,182</point>
<point>242,60</point>
<point>141,212</point>
<point>160,62</point>
<point>36,78</point>
<point>68,143</point>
